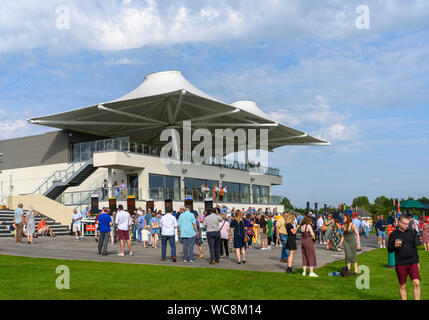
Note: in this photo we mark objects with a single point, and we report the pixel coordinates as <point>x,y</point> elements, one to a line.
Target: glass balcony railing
<point>160,194</point>
<point>84,151</point>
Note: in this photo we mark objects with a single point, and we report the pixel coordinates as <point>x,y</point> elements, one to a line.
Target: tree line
<point>381,205</point>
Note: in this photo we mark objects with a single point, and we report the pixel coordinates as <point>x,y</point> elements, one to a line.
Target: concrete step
<point>58,233</point>
<point>10,220</point>
<point>7,216</point>
<point>56,227</point>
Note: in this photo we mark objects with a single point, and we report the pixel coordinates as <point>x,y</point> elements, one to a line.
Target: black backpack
<point>345,272</point>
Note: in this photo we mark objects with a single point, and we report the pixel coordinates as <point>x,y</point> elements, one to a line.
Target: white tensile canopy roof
<point>166,99</point>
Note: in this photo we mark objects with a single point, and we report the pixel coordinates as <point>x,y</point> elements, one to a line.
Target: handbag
<point>324,228</point>
<point>246,237</point>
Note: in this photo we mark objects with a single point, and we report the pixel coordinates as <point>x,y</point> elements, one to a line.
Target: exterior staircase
<point>7,216</point>
<point>59,181</point>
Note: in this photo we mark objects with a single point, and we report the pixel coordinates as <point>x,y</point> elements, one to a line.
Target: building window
<point>193,188</point>
<point>164,187</point>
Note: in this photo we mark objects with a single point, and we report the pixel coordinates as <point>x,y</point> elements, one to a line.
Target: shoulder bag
<point>246,237</point>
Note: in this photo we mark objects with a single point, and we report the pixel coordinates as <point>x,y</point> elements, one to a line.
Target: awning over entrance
<point>166,99</point>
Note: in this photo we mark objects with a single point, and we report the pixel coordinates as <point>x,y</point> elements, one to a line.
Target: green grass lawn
<point>35,278</point>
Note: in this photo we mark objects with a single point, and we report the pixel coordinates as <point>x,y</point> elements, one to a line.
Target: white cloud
<point>10,129</point>
<point>122,61</point>
<point>338,132</point>
<point>116,25</point>
<point>320,112</point>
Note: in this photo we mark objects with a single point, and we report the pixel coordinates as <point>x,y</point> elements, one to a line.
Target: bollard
<point>390,256</point>
<point>391,260</point>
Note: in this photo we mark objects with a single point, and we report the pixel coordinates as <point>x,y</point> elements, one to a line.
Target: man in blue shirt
<point>391,218</point>
<point>381,227</point>
<point>85,213</point>
<point>19,222</point>
<point>140,226</point>
<point>188,232</point>
<point>104,222</point>
<point>357,223</point>
<point>299,218</point>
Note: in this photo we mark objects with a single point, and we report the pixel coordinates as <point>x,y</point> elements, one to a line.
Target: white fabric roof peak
<point>164,82</point>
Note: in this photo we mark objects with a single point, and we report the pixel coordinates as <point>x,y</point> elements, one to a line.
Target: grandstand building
<point>122,142</point>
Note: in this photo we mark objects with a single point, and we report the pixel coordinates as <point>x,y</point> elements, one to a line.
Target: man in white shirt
<point>322,238</point>
<point>123,222</point>
<point>77,224</point>
<point>168,225</point>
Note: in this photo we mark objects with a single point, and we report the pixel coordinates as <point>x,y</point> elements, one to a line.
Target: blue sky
<point>304,62</point>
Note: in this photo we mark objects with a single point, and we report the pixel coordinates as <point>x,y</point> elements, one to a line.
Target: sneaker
<point>313,275</point>
<point>269,248</point>
<point>304,274</point>
<point>120,254</point>
<point>263,248</point>
<point>192,261</point>
<point>185,261</point>
<point>131,253</point>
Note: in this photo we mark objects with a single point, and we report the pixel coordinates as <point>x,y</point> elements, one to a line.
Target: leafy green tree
<point>424,200</point>
<point>287,204</point>
<point>361,201</point>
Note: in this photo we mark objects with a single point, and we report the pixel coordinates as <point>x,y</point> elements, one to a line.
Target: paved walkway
<point>66,247</point>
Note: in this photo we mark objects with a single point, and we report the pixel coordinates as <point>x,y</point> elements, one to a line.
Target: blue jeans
<point>285,252</point>
<point>164,241</point>
<point>366,232</point>
<point>188,248</point>
<point>133,229</point>
<point>139,232</point>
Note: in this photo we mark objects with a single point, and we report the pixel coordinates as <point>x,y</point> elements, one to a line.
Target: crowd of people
<point>227,230</point>
<point>24,225</point>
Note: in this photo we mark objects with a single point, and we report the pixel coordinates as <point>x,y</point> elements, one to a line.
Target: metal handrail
<point>107,145</point>
<point>60,176</point>
<point>83,202</point>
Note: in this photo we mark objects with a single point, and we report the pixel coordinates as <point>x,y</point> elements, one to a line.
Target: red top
<point>41,224</point>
